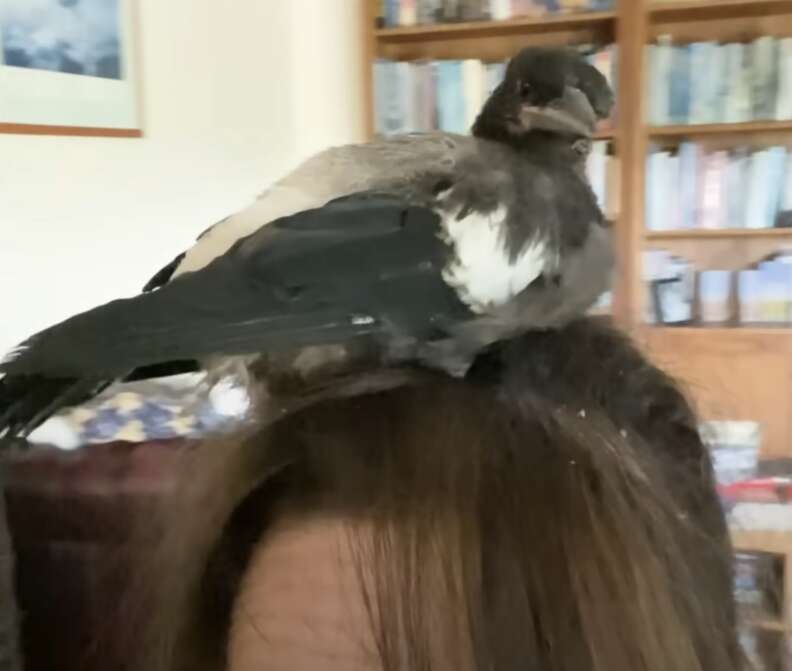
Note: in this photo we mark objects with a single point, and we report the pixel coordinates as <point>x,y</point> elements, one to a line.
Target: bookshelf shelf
<point>702,10</point>
<point>769,625</point>
<point>735,332</point>
<point>716,233</point>
<point>700,130</point>
<point>494,28</point>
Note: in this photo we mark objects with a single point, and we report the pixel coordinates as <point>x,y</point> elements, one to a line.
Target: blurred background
<point>129,127</point>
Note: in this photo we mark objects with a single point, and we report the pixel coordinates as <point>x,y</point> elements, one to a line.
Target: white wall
<point>232,98</point>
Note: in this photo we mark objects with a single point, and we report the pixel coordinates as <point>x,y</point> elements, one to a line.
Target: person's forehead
<point>300,605</point>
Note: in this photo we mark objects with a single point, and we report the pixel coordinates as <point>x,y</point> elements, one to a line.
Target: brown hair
<point>557,506</point>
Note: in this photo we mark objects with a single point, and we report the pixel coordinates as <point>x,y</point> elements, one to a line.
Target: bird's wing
<point>383,165</point>
<point>361,265</point>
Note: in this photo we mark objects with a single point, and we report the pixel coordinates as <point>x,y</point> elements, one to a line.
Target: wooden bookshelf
<point>702,130</point>
<point>700,357</point>
<point>774,542</point>
<point>714,233</point>
<point>523,26</point>
<point>702,10</point>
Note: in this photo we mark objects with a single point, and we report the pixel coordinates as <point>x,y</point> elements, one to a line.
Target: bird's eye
<point>524,89</point>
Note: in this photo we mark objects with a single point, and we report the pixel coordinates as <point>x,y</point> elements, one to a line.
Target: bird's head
<point>548,90</point>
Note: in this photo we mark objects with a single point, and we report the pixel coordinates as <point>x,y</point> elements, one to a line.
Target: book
<point>451,111</point>
<point>392,13</point>
<point>387,98</point>
<point>408,15</point>
<point>776,167</point>
<point>659,82</point>
<point>736,178</point>
<point>475,89</point>
<point>451,10</point>
<point>679,93</point>
<point>597,171</point>
<point>755,208</point>
<point>712,212</point>
<point>783,108</point>
<point>764,71</point>
<point>473,10</point>
<point>737,104</point>
<point>429,11</point>
<point>500,10</point>
<point>700,60</point>
<point>687,186</point>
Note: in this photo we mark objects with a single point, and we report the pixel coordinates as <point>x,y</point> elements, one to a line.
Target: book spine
<point>596,171</point>
<point>777,160</point>
<point>688,184</point>
<point>500,10</point>
<point>763,77</point>
<point>392,13</point>
<point>661,83</point>
<point>784,98</point>
<point>408,16</point>
<point>679,104</point>
<point>699,56</point>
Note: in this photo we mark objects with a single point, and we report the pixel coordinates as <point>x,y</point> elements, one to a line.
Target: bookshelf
<point>777,543</point>
<point>718,365</point>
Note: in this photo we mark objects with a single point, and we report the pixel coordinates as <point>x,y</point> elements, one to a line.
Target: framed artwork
<point>67,67</point>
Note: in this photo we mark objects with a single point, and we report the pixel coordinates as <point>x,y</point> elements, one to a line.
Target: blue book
<point>450,97</point>
<point>776,167</point>
<point>679,103</point>
<point>688,184</point>
<point>392,13</point>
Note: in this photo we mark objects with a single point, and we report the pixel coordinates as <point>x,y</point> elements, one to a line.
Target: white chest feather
<point>482,271</point>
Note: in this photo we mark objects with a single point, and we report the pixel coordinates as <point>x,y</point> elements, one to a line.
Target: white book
<point>597,171</point>
<point>783,109</point>
<point>408,13</point>
<point>474,77</point>
<point>500,10</point>
<point>671,211</point>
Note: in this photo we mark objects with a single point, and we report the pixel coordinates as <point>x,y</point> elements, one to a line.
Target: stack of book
<point>693,188</point>
<point>707,82</point>
<point>414,12</point>
<point>678,295</point>
<point>445,95</point>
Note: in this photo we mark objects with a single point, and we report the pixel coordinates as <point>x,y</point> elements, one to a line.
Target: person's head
<point>554,511</point>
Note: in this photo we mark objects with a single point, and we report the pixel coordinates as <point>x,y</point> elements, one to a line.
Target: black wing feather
<point>363,265</point>
<point>164,275</point>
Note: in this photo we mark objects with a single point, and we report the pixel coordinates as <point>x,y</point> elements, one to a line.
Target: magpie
<point>421,248</point>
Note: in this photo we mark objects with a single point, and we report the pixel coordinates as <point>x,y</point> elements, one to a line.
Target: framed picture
<point>67,67</point>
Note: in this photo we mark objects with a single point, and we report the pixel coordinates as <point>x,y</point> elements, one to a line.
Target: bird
<point>421,248</point>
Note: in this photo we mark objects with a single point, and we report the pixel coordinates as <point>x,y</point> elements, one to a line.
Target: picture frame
<point>69,67</point>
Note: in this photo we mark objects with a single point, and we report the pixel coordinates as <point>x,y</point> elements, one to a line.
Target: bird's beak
<point>571,114</point>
